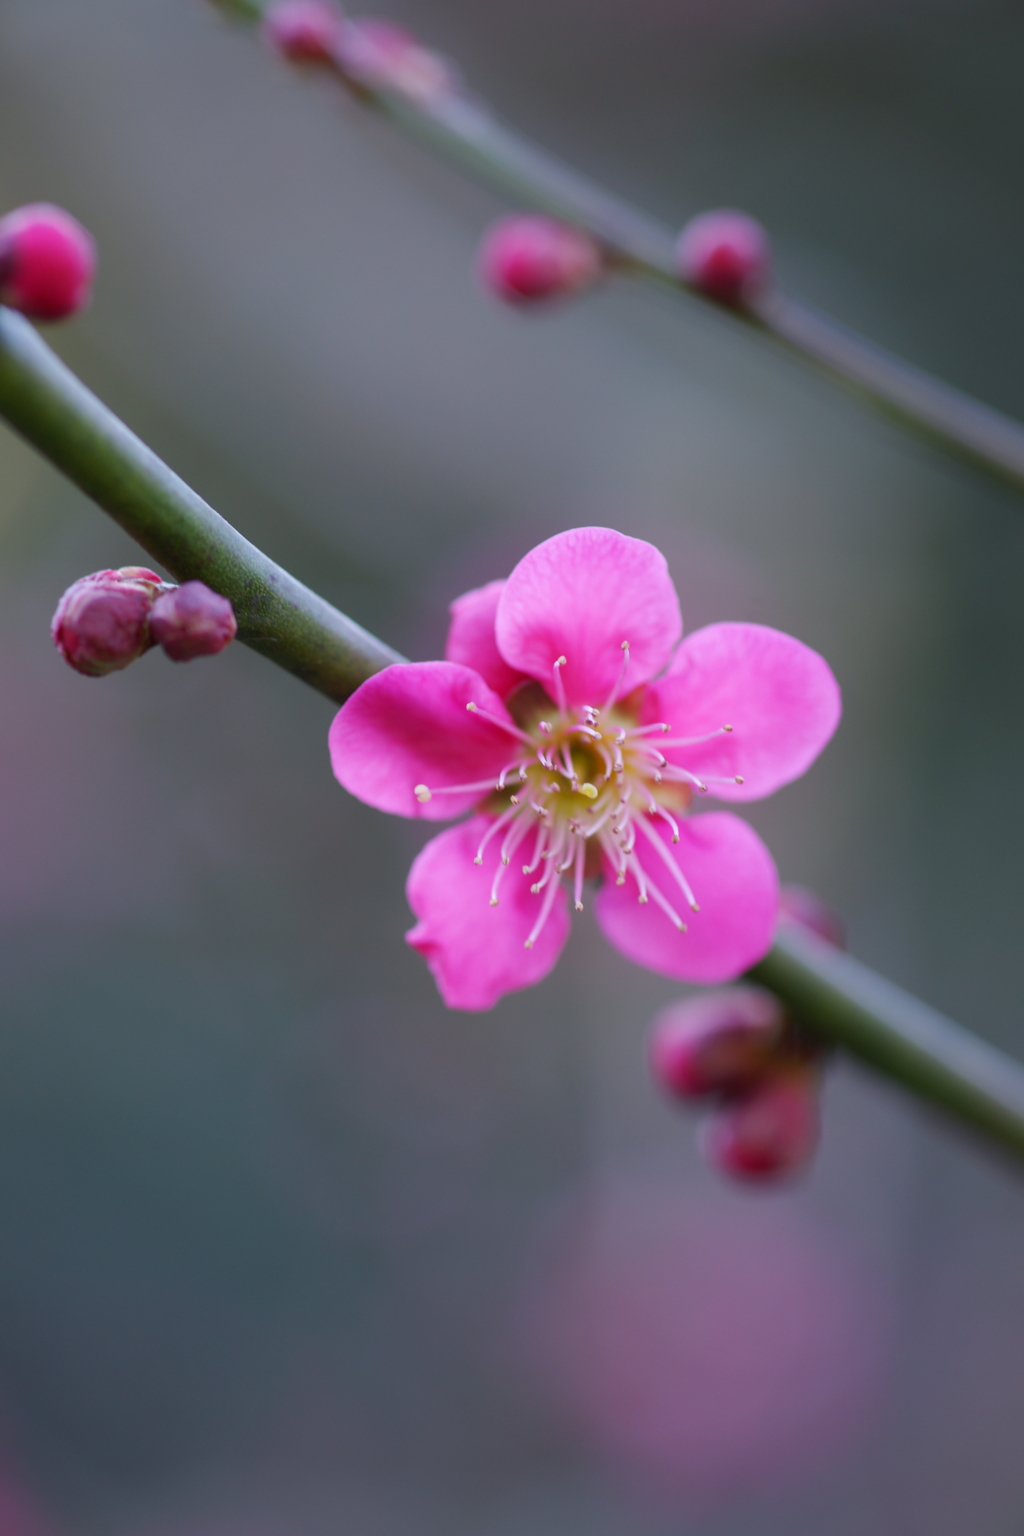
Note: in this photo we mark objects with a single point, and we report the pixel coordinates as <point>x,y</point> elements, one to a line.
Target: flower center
<point>581,791</point>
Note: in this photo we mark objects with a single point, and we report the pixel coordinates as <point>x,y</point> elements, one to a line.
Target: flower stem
<point>846,1004</point>
<point>465,132</point>
<point>277,615</point>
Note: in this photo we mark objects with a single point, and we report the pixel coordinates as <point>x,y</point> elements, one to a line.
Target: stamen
<point>559,685</point>
<point>670,863</point>
<point>696,741</point>
<point>651,752</point>
<point>667,907</point>
<point>545,913</point>
<point>423,794</point>
<point>502,821</point>
<point>577,890</point>
<point>645,730</point>
<point>511,843</point>
<point>621,677</point>
<point>659,810</point>
<point>678,775</point>
<point>590,790</point>
<point>503,775</point>
<point>538,850</point>
<point>503,725</point>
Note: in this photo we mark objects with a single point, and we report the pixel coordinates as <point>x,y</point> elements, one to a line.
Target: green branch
<point>847,1005</point>
<point>468,135</point>
<point>840,1000</point>
<point>276,614</point>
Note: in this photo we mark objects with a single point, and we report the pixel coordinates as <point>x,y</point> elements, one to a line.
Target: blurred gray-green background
<point>286,1249</point>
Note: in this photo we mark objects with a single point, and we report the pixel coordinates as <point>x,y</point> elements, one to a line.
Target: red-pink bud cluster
<point>526,258</point>
<point>107,620</point>
<point>725,255</point>
<point>47,262</point>
<point>740,1050</point>
<point>304,31</point>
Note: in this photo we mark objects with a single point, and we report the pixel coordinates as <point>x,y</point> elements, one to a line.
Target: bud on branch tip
<point>47,262</point>
<point>525,259</point>
<point>191,620</point>
<point>304,31</point>
<point>725,255</point>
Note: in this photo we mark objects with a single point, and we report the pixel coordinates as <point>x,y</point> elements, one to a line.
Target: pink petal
<point>734,880</point>
<point>477,952</point>
<point>471,638</point>
<point>580,595</point>
<point>409,725</point>
<point>779,696</point>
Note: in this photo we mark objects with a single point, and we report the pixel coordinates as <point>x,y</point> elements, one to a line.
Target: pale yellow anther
<point>625,645</point>
<point>422,793</point>
<point>739,778</point>
<point>590,790</point>
<point>473,708</point>
<point>494,901</point>
<point>560,662</point>
<point>643,901</point>
<point>726,727</point>
<point>479,859</point>
<point>513,799</point>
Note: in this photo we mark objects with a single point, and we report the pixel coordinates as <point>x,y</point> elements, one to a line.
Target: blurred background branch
<point>466,133</point>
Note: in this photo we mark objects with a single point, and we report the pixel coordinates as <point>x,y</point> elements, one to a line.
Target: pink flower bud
<point>304,31</point>
<point>526,258</point>
<point>47,261</point>
<point>376,53</point>
<point>771,1131</point>
<point>102,621</point>
<point>799,905</point>
<point>726,255</point>
<point>191,621</point>
<point>718,1042</point>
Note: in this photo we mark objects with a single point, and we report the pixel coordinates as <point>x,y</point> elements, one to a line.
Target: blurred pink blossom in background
<point>709,1349</point>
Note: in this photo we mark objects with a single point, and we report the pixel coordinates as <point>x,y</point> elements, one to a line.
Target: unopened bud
<point>102,621</point>
<point>719,1042</point>
<point>304,31</point>
<point>799,905</point>
<point>47,262</point>
<point>191,620</point>
<point>770,1132</point>
<point>725,255</point>
<point>525,258</point>
<point>379,54</point>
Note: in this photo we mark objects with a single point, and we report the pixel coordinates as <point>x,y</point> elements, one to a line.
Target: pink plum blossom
<point>579,731</point>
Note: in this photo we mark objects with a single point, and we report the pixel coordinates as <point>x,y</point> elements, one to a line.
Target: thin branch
<point>842,1001</point>
<point>847,1005</point>
<point>277,615</point>
<point>465,132</point>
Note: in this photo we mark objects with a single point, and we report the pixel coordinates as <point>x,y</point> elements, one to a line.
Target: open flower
<point>568,721</point>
